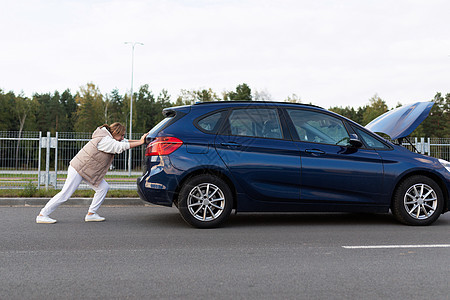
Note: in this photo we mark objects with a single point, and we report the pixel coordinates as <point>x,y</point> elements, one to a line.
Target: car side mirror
<point>355,141</point>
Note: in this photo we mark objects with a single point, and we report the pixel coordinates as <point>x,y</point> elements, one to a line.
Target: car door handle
<point>231,145</point>
<point>315,151</point>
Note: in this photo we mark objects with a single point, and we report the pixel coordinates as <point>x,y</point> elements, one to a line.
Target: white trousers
<point>72,182</point>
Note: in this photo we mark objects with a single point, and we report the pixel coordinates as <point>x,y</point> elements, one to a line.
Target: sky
<point>328,53</point>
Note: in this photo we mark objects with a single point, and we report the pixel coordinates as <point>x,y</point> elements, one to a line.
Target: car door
<point>332,170</point>
<point>262,161</point>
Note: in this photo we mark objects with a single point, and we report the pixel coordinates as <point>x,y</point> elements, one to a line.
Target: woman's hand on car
<point>143,138</point>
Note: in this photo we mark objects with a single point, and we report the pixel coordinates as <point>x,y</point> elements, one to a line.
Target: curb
<point>72,202</point>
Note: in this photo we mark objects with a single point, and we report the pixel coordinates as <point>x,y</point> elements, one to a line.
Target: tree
<point>186,98</point>
<point>162,102</point>
<point>293,99</point>
<point>8,122</point>
<point>189,97</point>
<point>348,112</point>
<point>262,95</point>
<point>164,99</point>
<point>438,122</point>
<point>376,108</point>
<point>23,107</point>
<point>149,109</point>
<point>145,110</point>
<point>206,95</point>
<point>351,113</point>
<point>243,92</point>
<point>56,113</point>
<point>69,111</point>
<point>116,107</point>
<point>42,116</point>
<point>90,113</point>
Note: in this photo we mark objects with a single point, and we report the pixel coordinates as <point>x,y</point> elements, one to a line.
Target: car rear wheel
<point>418,201</point>
<point>205,201</point>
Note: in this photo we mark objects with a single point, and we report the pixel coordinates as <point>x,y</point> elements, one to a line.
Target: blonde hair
<point>115,128</point>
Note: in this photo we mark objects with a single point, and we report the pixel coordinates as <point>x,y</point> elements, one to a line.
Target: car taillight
<point>163,146</point>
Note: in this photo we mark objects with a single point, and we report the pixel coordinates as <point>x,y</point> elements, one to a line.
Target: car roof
<point>253,103</point>
<point>238,103</point>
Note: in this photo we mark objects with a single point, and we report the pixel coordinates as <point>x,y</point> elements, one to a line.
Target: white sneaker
<point>45,220</point>
<point>93,218</point>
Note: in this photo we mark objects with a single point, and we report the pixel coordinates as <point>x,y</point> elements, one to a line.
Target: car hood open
<point>402,121</point>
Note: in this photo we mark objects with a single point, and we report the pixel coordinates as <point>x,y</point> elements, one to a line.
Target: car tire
<point>418,200</point>
<point>205,201</point>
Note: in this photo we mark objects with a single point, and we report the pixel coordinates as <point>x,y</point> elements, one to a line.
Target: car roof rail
<point>251,101</point>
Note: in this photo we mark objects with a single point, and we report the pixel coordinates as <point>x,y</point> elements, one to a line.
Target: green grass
<point>34,192</point>
<point>61,177</point>
<point>28,184</point>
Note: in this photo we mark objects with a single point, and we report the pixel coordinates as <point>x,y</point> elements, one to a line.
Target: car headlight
<point>445,163</point>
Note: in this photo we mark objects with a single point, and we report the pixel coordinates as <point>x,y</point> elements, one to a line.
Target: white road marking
<point>397,246</point>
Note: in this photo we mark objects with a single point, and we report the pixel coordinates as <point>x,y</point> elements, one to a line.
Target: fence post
<point>56,160</point>
<point>422,142</point>
<point>416,144</point>
<point>39,159</point>
<point>47,161</point>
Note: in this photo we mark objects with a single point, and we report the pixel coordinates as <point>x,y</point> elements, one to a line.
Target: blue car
<point>210,158</point>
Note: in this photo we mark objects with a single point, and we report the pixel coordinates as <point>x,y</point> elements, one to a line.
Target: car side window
<point>210,123</point>
<point>318,127</point>
<point>370,141</point>
<point>258,122</point>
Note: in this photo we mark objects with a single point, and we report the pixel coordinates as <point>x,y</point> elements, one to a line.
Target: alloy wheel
<point>206,202</point>
<point>420,201</point>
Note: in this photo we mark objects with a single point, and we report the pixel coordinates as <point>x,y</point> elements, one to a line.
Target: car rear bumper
<point>152,192</point>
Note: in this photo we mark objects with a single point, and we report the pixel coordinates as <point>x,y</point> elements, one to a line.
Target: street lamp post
<point>131,100</point>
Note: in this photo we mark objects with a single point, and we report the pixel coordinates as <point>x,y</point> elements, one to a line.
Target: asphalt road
<point>150,253</point>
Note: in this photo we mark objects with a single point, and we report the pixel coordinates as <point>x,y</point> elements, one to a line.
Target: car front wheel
<point>205,201</point>
<point>418,200</point>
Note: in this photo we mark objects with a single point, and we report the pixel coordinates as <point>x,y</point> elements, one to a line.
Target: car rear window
<point>211,122</point>
<point>159,126</point>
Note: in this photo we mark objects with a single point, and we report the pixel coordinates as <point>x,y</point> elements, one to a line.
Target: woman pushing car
<point>91,164</point>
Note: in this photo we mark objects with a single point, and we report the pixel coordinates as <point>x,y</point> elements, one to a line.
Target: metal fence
<point>31,158</point>
<point>435,147</point>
